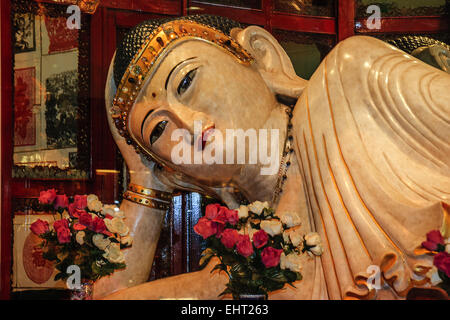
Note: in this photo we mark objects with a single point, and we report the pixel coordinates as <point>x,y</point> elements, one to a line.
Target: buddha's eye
<point>157,131</point>
<point>186,82</point>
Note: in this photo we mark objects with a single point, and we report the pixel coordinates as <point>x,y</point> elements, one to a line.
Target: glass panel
<point>51,90</point>
<point>253,4</point>
<point>305,50</point>
<point>306,7</point>
<point>392,8</point>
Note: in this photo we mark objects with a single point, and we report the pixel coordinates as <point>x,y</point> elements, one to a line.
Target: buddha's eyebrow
<point>143,121</point>
<point>171,71</point>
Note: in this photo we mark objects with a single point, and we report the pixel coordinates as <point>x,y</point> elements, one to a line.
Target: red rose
<point>205,228</point>
<point>442,262</point>
<point>434,238</point>
<point>260,238</point>
<point>85,219</point>
<point>229,237</point>
<point>98,225</point>
<point>63,235</point>
<point>221,216</point>
<point>270,256</point>
<point>80,201</point>
<point>47,197</point>
<point>61,201</point>
<point>212,210</point>
<point>244,246</point>
<point>61,224</point>
<point>39,227</point>
<point>232,217</point>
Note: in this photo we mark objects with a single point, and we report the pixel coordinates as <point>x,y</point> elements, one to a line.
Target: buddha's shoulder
<point>364,46</point>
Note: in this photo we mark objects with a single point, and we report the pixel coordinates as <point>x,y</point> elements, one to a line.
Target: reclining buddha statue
<point>363,151</point>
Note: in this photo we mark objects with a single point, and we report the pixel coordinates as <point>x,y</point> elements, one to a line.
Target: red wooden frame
<point>6,148</point>
<point>406,25</point>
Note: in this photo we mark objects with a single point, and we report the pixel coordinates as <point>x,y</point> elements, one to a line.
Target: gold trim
<point>160,195</point>
<point>151,203</point>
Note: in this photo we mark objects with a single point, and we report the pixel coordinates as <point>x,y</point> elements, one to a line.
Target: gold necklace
<point>285,163</point>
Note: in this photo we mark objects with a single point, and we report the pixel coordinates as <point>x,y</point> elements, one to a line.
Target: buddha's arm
<point>200,285</point>
<point>144,222</point>
<point>145,226</point>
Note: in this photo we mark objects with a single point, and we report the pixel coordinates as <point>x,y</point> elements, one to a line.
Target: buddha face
<point>199,84</point>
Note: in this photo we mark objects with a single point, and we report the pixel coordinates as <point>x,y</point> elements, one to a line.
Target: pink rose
<point>244,246</point>
<point>61,224</point>
<point>63,235</point>
<point>205,228</point>
<point>270,257</point>
<point>39,227</point>
<point>47,197</point>
<point>442,262</point>
<point>85,219</point>
<point>80,201</point>
<point>212,210</point>
<point>260,238</point>
<point>229,237</point>
<point>434,238</point>
<point>232,217</point>
<point>61,201</point>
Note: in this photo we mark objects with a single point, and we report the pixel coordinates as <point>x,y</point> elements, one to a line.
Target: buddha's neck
<point>251,181</point>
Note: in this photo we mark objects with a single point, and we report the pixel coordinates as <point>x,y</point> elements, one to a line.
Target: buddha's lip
<point>203,139</point>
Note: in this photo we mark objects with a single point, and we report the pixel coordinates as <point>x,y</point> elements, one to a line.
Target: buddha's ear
<point>272,61</point>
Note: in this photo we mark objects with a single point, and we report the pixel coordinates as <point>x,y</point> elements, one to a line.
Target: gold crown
<point>143,64</point>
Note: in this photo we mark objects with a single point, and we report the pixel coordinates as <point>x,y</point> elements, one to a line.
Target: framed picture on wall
<point>24,32</point>
<point>51,105</point>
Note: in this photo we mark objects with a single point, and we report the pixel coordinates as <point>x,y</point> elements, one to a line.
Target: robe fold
<point>373,143</point>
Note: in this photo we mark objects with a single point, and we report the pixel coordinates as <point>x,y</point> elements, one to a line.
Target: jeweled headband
<point>144,64</point>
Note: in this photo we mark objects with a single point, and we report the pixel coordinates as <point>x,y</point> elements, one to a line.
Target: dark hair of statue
<point>137,36</point>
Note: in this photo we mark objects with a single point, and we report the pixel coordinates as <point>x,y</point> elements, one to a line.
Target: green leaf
<point>60,276</point>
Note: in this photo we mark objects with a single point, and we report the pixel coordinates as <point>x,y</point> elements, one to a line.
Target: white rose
<point>100,241</point>
<point>127,240</point>
<point>317,250</point>
<point>291,261</point>
<point>272,227</point>
<point>294,235</point>
<point>91,197</point>
<point>113,211</point>
<point>242,212</point>
<point>312,239</point>
<point>433,275</point>
<point>447,248</point>
<point>95,205</point>
<point>113,253</point>
<point>258,206</point>
<point>116,225</point>
<point>290,219</point>
<point>80,237</point>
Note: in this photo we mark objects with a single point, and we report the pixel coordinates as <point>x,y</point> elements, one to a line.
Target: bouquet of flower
<point>439,247</point>
<point>259,250</point>
<point>87,234</point>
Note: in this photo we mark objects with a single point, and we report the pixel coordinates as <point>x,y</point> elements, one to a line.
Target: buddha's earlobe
<point>271,61</point>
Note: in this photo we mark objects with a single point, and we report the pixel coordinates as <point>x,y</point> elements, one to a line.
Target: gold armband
<point>151,203</point>
<point>160,195</point>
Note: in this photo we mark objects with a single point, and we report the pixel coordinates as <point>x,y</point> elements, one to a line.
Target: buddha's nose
<point>196,122</point>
